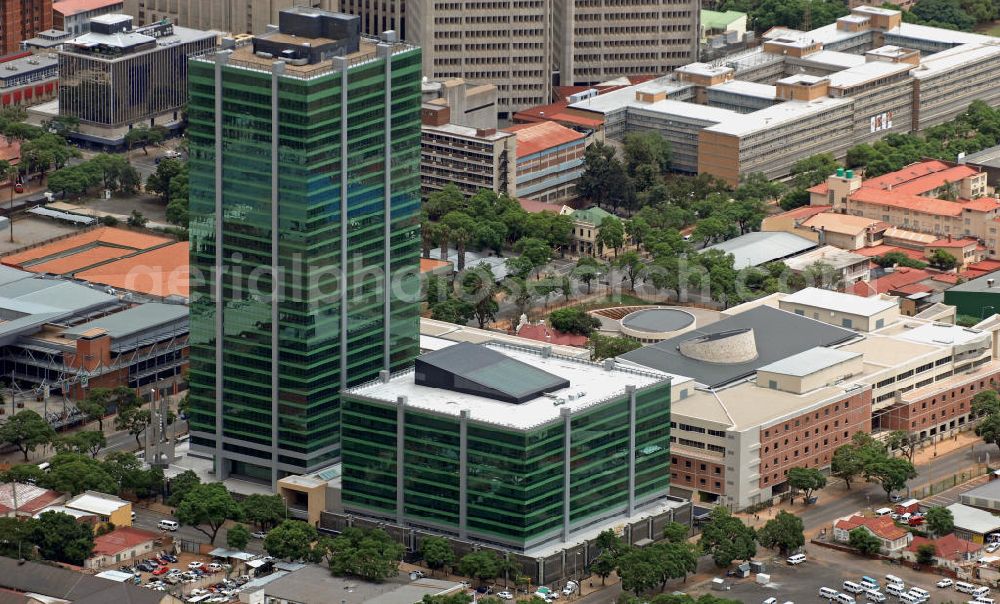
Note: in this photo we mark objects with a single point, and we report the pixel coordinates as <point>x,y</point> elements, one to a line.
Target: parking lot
<point>830,568</point>
<point>190,582</point>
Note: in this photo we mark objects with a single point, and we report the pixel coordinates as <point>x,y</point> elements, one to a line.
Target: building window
<point>847,323</point>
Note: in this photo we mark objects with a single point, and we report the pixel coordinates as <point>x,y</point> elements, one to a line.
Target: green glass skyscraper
<point>304,202</point>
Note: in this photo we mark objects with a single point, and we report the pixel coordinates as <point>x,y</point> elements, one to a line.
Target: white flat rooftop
<point>775,115</point>
<point>948,60</point>
<point>465,131</point>
<point>704,69</point>
<point>102,505</point>
<point>828,254</point>
<point>839,302</point>
<point>744,88</point>
<point>810,361</point>
<point>947,334</point>
<point>866,72</point>
<point>937,34</point>
<point>832,58</point>
<point>625,97</point>
<point>590,384</point>
<point>692,111</point>
<point>801,78</point>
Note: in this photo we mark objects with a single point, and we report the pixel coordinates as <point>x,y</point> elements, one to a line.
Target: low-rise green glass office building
<point>304,164</point>
<point>508,446</point>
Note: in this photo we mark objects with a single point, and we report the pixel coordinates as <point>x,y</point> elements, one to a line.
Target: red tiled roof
<point>923,184</point>
<point>543,333</point>
<point>121,539</point>
<point>953,242</point>
<point>10,151</point>
<point>30,499</point>
<point>822,188</point>
<point>900,277</point>
<point>986,265</point>
<point>906,174</point>
<point>532,206</point>
<point>981,204</point>
<point>803,212</point>
<point>882,526</point>
<point>535,138</point>
<point>163,271</point>
<point>881,250</point>
<point>913,288</point>
<point>915,203</point>
<point>946,278</point>
<point>429,264</point>
<point>74,7</point>
<point>949,547</point>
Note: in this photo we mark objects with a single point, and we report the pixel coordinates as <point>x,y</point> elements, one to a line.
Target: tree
<point>482,565</point>
<point>144,136</point>
<point>23,472</point>
<point>891,473</point>
<point>74,473</point>
<point>292,540</point>
<point>371,555</point>
<point>26,430</point>
<point>726,538</point>
<point>903,441</point>
<point>639,570</point>
<point>134,420</point>
<point>632,268</point>
<point>863,541</point>
<point>940,521</point>
<point>89,442</point>
<point>462,228</point>
<point>611,234</point>
<point>806,480</point>
<point>850,460</point>
<point>453,311</point>
<point>440,203</point>
<point>16,537</point>
<point>480,289</point>
<point>604,347</point>
<point>45,152</point>
<point>535,250</point>
<point>96,405</point>
<point>989,429</point>
<point>675,532</point>
<point>237,537</point>
<point>61,538</point>
<point>604,565</point>
<point>986,402</point>
<point>926,553</point>
<point>785,532</point>
<point>136,219</point>
<point>129,472</point>
<point>943,260</point>
<point>949,14</point>
<point>177,207</point>
<point>437,553</point>
<point>456,598</point>
<point>573,319</point>
<point>891,259</point>
<point>206,507</point>
<point>264,511</point>
<point>181,485</point>
<point>604,178</point>
<point>646,149</point>
<point>159,181</point>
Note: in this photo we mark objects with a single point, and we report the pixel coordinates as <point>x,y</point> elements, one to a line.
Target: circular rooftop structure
<point>656,324</point>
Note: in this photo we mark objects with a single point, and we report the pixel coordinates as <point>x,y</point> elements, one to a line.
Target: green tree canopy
<point>482,565</point>
<point>437,552</point>
<point>785,532</point>
<point>574,319</point>
<point>293,540</point>
<point>206,507</point>
<point>605,347</point>
<point>370,555</point>
<point>940,521</point>
<point>75,473</point>
<point>806,480</point>
<point>726,538</point>
<point>26,430</point>
<point>237,537</point>
<point>264,511</point>
<point>61,538</point>
<point>181,485</point>
<point>88,442</point>
<point>863,541</point>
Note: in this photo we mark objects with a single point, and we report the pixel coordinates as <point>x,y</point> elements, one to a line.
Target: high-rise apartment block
<point>526,45</point>
<point>20,20</point>
<point>508,446</point>
<point>118,76</point>
<point>305,152</point>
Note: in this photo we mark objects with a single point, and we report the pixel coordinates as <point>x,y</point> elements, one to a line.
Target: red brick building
<point>20,20</point>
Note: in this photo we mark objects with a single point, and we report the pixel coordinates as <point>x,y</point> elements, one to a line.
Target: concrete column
<point>385,51</point>
<point>400,458</point>
<point>630,390</point>
<point>277,69</point>
<point>463,472</point>
<point>341,64</point>
<point>221,469</point>
<point>566,414</point>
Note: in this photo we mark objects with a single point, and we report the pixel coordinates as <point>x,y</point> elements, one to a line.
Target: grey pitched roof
<point>58,582</point>
<point>134,320</point>
<point>778,335</point>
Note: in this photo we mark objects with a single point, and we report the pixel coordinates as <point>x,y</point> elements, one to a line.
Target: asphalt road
<point>149,519</point>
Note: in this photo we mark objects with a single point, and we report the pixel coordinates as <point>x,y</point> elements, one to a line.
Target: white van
<point>965,588</point>
<point>883,511</point>
<point>980,592</point>
<point>894,589</point>
<point>168,525</point>
<point>796,559</point>
<point>853,587</point>
<point>893,579</point>
<point>909,598</point>
<point>844,599</point>
<point>923,593</point>
<point>826,592</point>
<point>984,600</point>
<point>873,595</point>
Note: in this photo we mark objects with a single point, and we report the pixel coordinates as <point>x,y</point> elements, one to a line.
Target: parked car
<point>214,567</point>
<point>416,574</point>
<point>895,498</point>
<point>945,583</point>
<point>505,595</point>
<point>570,588</point>
<point>992,547</point>
<point>258,534</point>
<point>916,521</point>
<point>195,565</point>
<point>161,571</point>
<point>771,601</point>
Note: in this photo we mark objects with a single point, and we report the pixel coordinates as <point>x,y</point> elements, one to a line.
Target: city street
<point>148,518</point>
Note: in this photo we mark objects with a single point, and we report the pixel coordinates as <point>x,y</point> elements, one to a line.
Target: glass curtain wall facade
<point>266,371</point>
<point>515,480</point>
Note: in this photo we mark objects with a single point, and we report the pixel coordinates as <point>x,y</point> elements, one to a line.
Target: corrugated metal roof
<point>132,321</point>
<point>810,361</point>
<point>761,247</point>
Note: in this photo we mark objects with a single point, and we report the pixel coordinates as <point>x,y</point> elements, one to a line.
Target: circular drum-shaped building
<point>650,325</point>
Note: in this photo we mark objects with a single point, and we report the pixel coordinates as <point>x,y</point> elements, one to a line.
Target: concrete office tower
<point>377,16</point>
<point>235,16</point>
<point>20,20</point>
<point>599,40</point>
<point>508,44</point>
<point>305,152</point>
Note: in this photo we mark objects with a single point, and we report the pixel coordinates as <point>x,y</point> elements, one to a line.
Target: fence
<point>952,481</point>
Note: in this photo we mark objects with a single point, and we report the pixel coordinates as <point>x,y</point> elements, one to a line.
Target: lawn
<point>990,29</point>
